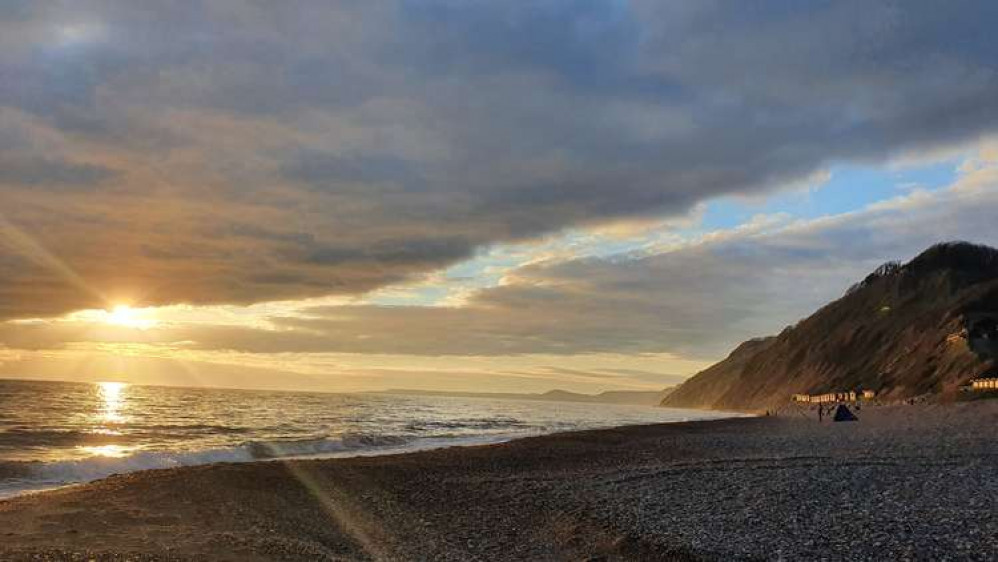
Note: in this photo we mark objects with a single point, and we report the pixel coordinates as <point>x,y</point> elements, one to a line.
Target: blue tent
<point>842,413</point>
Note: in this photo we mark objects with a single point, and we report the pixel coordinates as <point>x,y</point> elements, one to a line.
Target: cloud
<point>265,152</point>
<point>695,299</point>
<point>55,175</point>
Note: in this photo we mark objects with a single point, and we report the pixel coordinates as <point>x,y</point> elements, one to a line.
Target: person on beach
<point>821,411</point>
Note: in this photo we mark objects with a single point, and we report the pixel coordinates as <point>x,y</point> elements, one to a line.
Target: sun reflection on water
<point>113,451</point>
<point>112,399</point>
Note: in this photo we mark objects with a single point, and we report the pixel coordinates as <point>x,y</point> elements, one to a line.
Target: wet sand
<point>911,482</point>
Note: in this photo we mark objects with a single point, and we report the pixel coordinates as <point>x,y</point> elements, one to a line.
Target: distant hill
<point>633,397</point>
<point>927,326</point>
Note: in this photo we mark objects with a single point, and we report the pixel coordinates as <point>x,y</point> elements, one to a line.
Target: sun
<point>124,315</point>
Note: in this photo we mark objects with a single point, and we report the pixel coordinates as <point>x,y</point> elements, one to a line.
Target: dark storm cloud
<point>308,148</point>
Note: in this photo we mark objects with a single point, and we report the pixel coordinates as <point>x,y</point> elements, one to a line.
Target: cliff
<point>927,326</point>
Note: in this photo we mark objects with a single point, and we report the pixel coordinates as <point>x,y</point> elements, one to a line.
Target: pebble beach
<point>902,483</point>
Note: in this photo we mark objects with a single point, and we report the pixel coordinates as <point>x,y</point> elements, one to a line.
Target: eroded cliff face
<point>923,327</point>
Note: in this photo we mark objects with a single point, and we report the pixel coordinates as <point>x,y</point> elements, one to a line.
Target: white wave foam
<point>28,476</point>
<point>93,468</point>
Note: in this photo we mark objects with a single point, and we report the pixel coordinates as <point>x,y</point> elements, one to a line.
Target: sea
<point>54,434</point>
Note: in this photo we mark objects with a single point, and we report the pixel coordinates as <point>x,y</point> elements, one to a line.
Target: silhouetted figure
<point>821,412</point>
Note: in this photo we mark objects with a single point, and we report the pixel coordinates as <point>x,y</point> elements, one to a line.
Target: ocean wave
<point>37,474</point>
<point>24,437</point>
<point>19,438</point>
<point>470,424</point>
<point>40,474</point>
<point>197,428</point>
<point>323,445</point>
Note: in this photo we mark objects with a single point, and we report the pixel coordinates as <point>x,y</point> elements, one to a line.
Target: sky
<point>469,195</point>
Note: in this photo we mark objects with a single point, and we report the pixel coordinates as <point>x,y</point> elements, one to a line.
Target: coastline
<point>25,476</point>
<point>912,481</point>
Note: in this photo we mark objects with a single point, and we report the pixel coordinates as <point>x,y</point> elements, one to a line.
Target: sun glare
<point>124,315</point>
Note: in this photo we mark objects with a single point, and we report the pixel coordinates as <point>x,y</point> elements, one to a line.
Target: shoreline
<point>914,481</point>
<point>356,453</point>
<point>97,468</point>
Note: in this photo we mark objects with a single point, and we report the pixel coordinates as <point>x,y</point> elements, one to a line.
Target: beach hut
<point>842,413</point>
<point>989,383</point>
